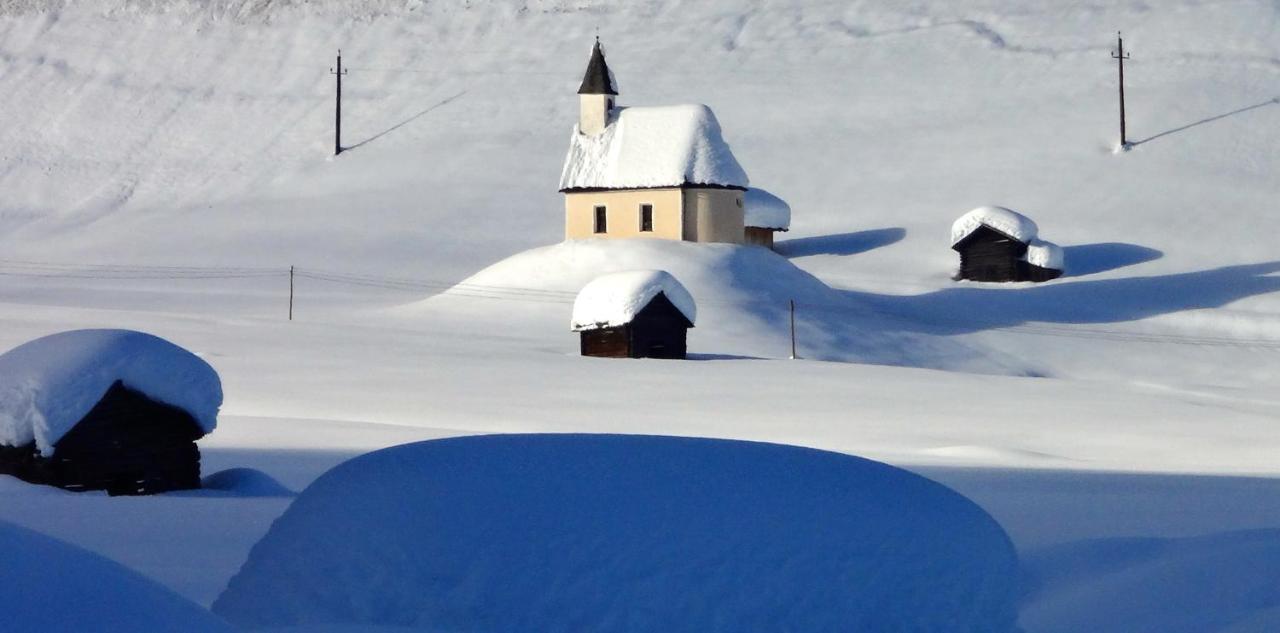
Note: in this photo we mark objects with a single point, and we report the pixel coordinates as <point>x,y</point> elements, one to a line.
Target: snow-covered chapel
<point>660,172</point>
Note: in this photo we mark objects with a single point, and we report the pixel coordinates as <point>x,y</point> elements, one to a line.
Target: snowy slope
<point>180,134</point>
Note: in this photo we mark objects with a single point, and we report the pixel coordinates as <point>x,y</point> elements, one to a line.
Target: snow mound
<point>666,146</point>
<point>765,210</point>
<point>54,586</point>
<point>1011,223</point>
<point>245,482</point>
<point>1045,255</point>
<point>1218,582</point>
<point>49,384</point>
<point>616,298</point>
<point>634,533</point>
<point>743,295</point>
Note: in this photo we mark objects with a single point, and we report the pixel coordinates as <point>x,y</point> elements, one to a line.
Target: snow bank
<point>1227,581</point>
<point>635,533</point>
<point>1045,255</point>
<point>244,482</point>
<point>49,384</point>
<point>666,146</point>
<point>53,586</point>
<point>765,210</point>
<point>616,298</point>
<point>1011,223</point>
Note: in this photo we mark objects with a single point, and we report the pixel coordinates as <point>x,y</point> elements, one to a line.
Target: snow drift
<point>616,298</point>
<point>627,533</point>
<point>1225,582</point>
<point>49,384</point>
<point>52,586</point>
<point>743,295</point>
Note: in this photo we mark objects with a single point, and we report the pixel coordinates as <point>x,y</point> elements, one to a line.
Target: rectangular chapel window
<point>646,217</point>
<point>601,227</point>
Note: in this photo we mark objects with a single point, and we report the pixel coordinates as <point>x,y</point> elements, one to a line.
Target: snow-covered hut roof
<point>764,210</point>
<point>1011,223</point>
<point>666,146</point>
<point>616,298</point>
<point>48,385</point>
<point>1045,255</point>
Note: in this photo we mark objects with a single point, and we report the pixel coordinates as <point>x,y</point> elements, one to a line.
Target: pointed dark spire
<point>596,81</point>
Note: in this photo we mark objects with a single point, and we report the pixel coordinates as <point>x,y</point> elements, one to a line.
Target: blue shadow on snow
<point>1090,259</point>
<point>840,243</point>
<point>976,308</point>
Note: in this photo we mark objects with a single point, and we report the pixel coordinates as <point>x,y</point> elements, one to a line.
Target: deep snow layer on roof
<point>1045,254</point>
<point>665,146</point>
<point>616,298</point>
<point>627,533</point>
<point>765,210</point>
<point>49,384</point>
<point>1006,221</point>
<point>53,586</point>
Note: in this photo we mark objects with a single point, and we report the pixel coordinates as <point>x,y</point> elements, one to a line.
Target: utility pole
<point>291,293</point>
<point>793,329</point>
<point>1119,55</point>
<point>337,124</point>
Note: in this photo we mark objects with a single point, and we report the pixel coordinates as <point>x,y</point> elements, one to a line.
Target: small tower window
<point>601,226</point>
<point>646,218</point>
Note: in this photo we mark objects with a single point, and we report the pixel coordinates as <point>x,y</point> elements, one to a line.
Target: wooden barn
<point>765,214</point>
<point>110,410</point>
<point>997,244</point>
<point>634,314</point>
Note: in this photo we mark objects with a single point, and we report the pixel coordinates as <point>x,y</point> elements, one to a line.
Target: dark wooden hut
<point>658,331</point>
<point>634,314</point>
<point>113,410</point>
<point>996,244</point>
<point>764,215</point>
<point>128,444</point>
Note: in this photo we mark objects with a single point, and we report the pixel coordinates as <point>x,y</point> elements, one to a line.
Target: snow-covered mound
<point>1045,254</point>
<point>1007,221</point>
<point>1226,582</point>
<point>627,533</point>
<point>245,482</point>
<point>616,298</point>
<point>765,210</point>
<point>53,586</point>
<point>49,384</point>
<point>665,146</point>
<point>743,295</point>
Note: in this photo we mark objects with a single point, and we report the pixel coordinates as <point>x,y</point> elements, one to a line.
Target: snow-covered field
<point>164,163</point>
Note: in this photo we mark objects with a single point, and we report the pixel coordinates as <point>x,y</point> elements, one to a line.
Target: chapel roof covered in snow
<point>616,298</point>
<point>48,385</point>
<point>765,211</point>
<point>598,80</point>
<point>1006,221</point>
<point>650,147</point>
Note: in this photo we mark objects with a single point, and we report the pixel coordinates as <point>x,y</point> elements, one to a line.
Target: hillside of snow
<point>163,163</point>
